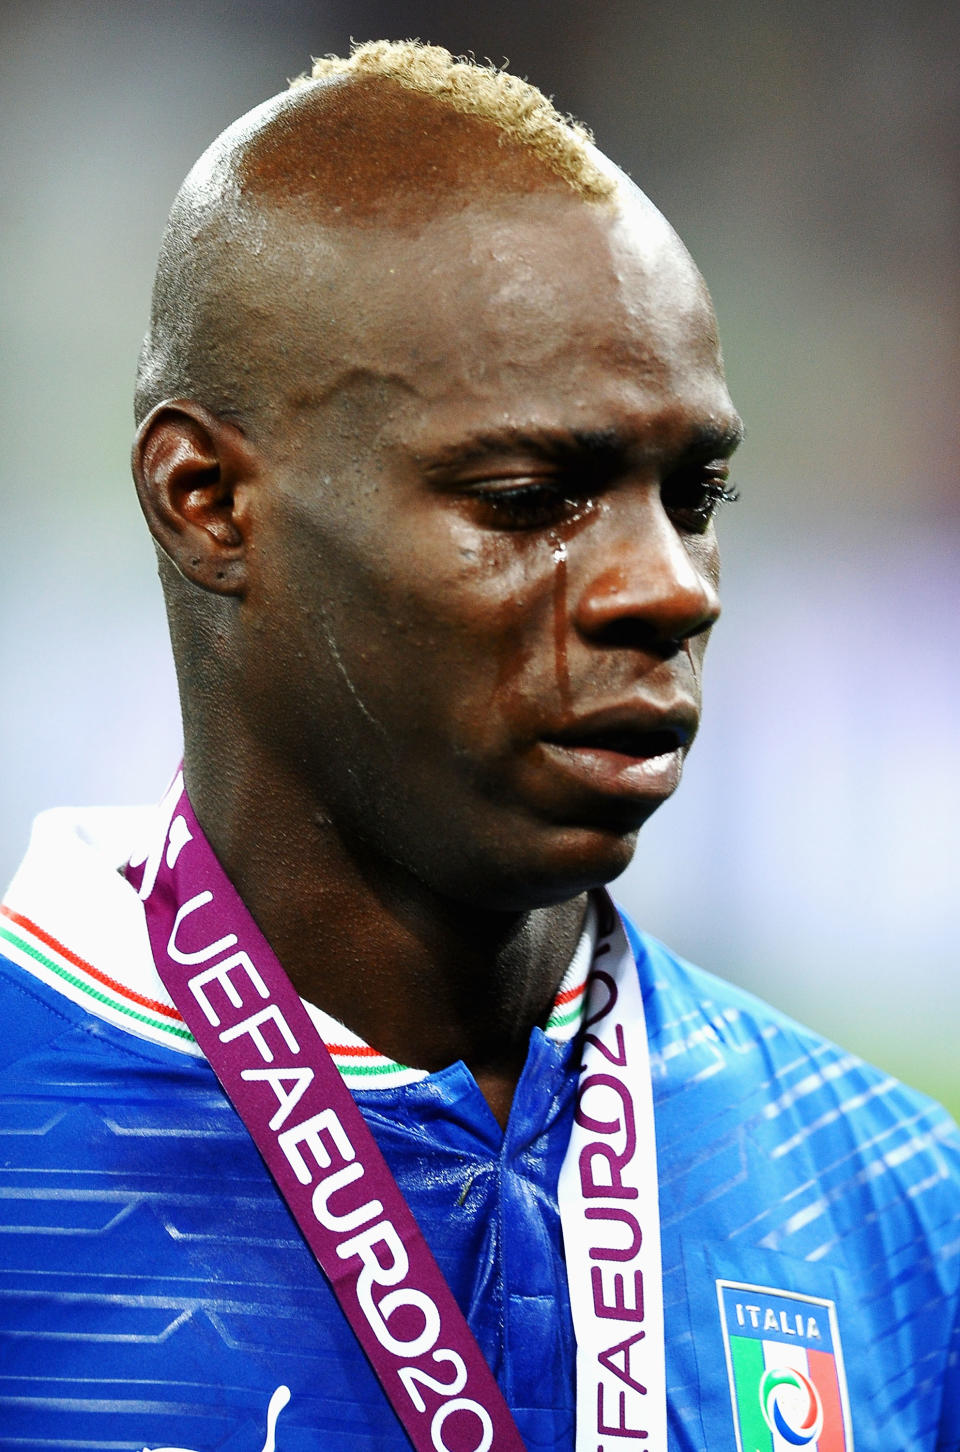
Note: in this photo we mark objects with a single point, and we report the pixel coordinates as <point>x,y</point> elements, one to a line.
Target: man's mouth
<point>631,753</point>
<point>635,728</point>
<point>635,743</point>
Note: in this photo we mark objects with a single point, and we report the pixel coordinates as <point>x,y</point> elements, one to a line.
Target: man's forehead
<point>503,253</point>
<point>527,273</point>
<point>544,295</point>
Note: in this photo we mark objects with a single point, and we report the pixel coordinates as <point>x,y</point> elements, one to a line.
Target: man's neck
<point>424,980</point>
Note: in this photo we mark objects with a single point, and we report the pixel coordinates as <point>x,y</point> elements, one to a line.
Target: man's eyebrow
<point>714,439</point>
<point>718,438</point>
<point>547,443</point>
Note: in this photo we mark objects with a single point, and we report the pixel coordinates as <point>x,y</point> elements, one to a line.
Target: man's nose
<point>644,586</point>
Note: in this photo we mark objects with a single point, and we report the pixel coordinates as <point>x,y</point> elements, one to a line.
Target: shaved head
<point>386,141</point>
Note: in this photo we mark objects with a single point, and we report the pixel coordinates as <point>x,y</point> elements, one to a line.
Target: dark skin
<point>439,627</point>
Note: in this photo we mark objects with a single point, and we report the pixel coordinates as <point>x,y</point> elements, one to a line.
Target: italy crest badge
<point>785,1364</point>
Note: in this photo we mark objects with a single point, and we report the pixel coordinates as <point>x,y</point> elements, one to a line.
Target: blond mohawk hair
<point>520,110</point>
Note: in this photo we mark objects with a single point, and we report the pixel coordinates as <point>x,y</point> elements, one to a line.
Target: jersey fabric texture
<point>155,1293</point>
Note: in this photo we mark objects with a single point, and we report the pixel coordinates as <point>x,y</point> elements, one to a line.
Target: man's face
<point>484,567</point>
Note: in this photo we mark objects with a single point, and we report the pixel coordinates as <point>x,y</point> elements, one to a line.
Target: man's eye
<point>692,500</point>
<point>522,506</point>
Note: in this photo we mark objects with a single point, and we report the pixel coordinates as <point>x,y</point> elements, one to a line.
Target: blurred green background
<point>808,156</point>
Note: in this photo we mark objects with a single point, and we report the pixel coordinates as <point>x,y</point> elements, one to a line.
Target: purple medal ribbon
<point>264,1048</point>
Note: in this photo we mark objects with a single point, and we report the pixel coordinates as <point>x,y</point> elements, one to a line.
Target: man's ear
<point>192,472</point>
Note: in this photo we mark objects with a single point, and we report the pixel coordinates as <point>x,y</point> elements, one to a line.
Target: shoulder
<point>769,1121</point>
<point>75,927</point>
<point>31,1015</point>
<point>675,990</point>
<point>695,1018</point>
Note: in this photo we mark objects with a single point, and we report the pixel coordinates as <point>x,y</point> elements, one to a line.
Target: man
<point>432,431</point>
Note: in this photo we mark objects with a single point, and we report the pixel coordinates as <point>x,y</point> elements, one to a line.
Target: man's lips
<point>633,751</point>
<point>638,730</point>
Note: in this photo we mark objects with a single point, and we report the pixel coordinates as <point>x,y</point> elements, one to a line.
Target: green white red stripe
<point>79,953</point>
<point>43,955</point>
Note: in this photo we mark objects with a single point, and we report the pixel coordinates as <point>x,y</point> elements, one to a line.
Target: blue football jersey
<point>155,1293</point>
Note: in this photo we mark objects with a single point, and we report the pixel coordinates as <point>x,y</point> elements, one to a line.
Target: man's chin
<point>575,860</point>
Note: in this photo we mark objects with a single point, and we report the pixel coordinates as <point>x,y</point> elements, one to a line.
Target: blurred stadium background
<point>808,156</point>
